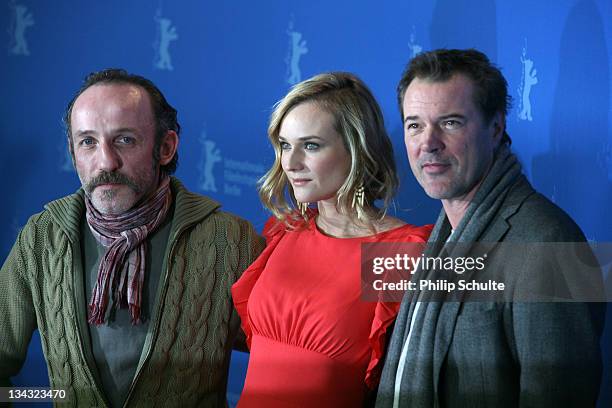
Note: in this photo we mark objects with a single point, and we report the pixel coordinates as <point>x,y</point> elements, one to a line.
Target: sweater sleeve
<point>251,246</point>
<point>257,245</point>
<point>17,315</point>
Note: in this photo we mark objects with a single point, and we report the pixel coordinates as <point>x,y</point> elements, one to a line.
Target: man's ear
<point>498,122</point>
<point>167,147</point>
<point>71,150</point>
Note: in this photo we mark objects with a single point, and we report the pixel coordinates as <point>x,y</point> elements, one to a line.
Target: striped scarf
<point>122,269</point>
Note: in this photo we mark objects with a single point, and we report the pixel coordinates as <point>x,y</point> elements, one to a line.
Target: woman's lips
<point>300,181</point>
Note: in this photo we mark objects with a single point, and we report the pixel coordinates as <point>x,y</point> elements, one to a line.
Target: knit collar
<point>190,208</point>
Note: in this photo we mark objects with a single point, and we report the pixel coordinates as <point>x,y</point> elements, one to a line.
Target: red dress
<point>313,341</point>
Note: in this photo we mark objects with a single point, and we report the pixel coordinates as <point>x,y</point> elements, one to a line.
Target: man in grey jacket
<point>487,353</point>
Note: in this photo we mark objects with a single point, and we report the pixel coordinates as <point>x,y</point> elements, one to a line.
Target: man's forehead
<point>453,93</point>
<point>121,93</point>
<point>116,100</point>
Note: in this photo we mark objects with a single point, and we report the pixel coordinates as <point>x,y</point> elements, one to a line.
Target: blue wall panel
<point>224,64</point>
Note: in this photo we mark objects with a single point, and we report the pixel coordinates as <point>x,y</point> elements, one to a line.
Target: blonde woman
<point>313,341</point>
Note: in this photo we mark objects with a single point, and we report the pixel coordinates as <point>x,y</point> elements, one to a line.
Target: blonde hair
<point>359,121</point>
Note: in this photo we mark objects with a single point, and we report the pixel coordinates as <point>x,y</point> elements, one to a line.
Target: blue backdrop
<point>224,64</point>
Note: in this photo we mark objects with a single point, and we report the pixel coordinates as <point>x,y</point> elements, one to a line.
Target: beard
<point>128,193</point>
<point>108,177</point>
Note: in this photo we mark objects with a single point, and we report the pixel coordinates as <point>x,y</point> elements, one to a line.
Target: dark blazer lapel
<point>516,197</point>
<point>444,334</point>
<point>450,310</point>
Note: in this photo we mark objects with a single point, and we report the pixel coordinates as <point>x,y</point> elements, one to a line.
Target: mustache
<point>433,158</point>
<point>110,177</point>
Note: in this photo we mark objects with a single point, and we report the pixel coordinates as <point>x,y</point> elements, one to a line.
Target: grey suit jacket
<point>498,354</point>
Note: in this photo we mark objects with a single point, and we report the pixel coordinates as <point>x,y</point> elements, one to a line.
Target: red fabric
<point>313,341</point>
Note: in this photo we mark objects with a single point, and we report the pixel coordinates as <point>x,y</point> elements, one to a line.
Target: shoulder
<point>539,219</point>
<point>190,205</point>
<point>199,223</point>
<point>53,226</point>
<point>37,225</point>
<point>222,226</point>
<point>276,228</point>
<point>203,217</point>
<point>194,208</point>
<point>410,232</point>
<point>63,213</point>
<point>37,221</point>
<point>420,232</point>
<point>230,220</point>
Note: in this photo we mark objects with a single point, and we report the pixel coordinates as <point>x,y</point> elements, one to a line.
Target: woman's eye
<point>285,146</point>
<point>311,146</point>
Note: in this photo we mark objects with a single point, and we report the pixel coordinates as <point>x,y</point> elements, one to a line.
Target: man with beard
<point>468,353</point>
<point>128,280</point>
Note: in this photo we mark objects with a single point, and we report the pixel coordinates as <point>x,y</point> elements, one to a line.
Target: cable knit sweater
<point>186,353</point>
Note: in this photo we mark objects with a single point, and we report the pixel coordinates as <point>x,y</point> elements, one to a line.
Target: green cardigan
<point>186,354</point>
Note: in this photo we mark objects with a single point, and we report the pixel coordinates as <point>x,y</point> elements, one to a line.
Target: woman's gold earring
<point>303,207</point>
<point>358,201</point>
<point>359,197</point>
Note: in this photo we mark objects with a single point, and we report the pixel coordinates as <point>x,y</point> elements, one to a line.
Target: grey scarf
<point>418,379</point>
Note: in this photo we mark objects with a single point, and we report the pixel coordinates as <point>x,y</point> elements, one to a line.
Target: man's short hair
<point>164,113</point>
<point>490,86</point>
